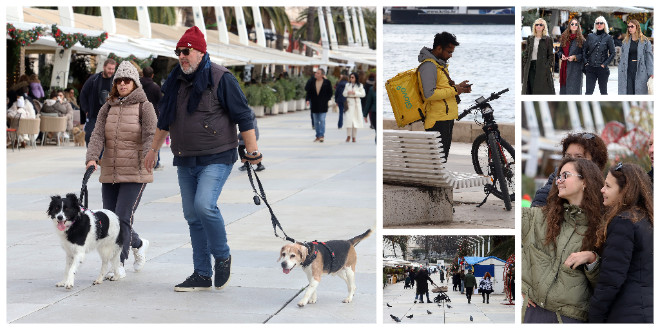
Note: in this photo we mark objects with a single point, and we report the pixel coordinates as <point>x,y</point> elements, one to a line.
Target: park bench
<point>415,158</point>
<point>418,188</point>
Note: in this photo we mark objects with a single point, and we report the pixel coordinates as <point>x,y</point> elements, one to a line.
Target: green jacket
<point>546,281</point>
<point>470,281</point>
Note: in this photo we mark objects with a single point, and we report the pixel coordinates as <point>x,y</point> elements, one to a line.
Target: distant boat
<point>450,15</point>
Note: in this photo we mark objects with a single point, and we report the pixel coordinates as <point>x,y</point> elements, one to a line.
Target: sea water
<point>485,57</point>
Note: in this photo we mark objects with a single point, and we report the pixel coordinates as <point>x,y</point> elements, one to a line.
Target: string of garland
<point>67,40</point>
<point>142,63</point>
<point>25,37</point>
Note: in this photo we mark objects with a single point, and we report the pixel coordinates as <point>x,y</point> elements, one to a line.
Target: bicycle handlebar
<point>493,96</point>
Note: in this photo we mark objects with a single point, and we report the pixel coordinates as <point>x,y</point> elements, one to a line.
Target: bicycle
<point>491,154</point>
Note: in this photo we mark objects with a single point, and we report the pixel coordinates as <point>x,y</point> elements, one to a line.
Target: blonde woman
<point>570,51</point>
<point>636,66</point>
<point>538,60</point>
<point>353,92</point>
<point>598,53</point>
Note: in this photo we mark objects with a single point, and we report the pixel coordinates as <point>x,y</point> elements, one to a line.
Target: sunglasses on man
<point>185,51</point>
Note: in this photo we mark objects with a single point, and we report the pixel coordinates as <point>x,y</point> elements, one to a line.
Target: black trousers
<point>123,199</point>
<point>446,129</point>
<point>542,315</point>
<point>599,74</point>
<point>531,77</point>
<point>468,292</point>
<point>630,78</point>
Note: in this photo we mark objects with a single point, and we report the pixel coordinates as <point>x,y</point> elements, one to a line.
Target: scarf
<point>564,65</point>
<point>201,80</point>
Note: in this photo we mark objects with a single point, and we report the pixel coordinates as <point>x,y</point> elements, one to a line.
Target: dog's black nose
<point>283,264</point>
<point>59,217</point>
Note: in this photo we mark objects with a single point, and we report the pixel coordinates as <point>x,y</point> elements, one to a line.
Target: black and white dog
<point>81,231</point>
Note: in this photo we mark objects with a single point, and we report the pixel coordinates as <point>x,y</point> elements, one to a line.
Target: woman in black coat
<point>422,286</point>
<point>598,53</point>
<point>624,293</point>
<point>570,51</point>
<point>538,60</point>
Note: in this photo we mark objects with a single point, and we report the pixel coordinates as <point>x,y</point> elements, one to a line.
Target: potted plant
<point>279,98</point>
<point>300,92</point>
<point>254,95</point>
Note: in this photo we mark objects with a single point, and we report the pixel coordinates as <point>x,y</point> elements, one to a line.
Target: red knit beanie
<point>193,38</point>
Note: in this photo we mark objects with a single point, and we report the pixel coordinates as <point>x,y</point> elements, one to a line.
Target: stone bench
<point>418,188</point>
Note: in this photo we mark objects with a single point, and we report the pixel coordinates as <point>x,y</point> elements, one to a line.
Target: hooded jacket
<point>125,136</point>
<point>546,280</point>
<point>439,95</point>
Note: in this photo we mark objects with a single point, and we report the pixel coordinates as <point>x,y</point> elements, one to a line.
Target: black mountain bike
<point>491,154</point>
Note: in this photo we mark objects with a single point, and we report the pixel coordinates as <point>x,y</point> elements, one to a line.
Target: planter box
<point>259,110</point>
<point>293,105</point>
<point>275,109</point>
<point>284,106</point>
<point>301,104</point>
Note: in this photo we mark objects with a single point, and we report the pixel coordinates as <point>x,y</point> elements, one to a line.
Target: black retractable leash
<point>261,195</point>
<point>83,191</point>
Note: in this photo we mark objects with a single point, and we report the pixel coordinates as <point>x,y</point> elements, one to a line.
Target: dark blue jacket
<point>624,293</point>
<point>541,196</point>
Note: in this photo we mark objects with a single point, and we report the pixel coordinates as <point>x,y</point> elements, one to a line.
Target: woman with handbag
<point>353,92</point>
<point>598,53</point>
<point>570,51</point>
<point>636,65</point>
<point>538,60</point>
<point>486,288</point>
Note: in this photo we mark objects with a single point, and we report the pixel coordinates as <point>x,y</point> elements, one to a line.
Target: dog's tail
<point>357,239</point>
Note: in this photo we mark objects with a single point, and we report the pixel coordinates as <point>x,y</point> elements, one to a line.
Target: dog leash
<point>261,194</point>
<point>83,191</point>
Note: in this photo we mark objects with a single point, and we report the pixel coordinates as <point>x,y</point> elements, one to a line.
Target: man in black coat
<point>319,93</point>
<point>153,95</point>
<point>94,93</point>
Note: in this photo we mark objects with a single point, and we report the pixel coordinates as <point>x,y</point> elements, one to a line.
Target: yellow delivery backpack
<point>404,92</point>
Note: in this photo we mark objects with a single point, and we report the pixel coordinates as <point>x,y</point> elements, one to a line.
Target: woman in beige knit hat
<point>124,131</point>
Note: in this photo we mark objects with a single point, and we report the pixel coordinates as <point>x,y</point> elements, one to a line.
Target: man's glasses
<point>619,166</point>
<point>600,23</point>
<point>564,175</point>
<point>185,51</point>
<point>575,24</point>
<point>124,80</point>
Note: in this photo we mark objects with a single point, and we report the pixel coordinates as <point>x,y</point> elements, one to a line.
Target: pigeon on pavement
<point>448,305</point>
<point>409,316</point>
<point>471,318</point>
<point>428,312</point>
<point>395,318</point>
<point>388,305</point>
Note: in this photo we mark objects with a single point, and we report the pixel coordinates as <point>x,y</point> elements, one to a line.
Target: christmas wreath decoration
<point>24,37</point>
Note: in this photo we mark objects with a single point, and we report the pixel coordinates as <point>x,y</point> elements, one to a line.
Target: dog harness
<point>313,251</point>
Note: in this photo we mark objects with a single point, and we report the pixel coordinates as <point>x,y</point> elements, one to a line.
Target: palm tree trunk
<point>311,15</point>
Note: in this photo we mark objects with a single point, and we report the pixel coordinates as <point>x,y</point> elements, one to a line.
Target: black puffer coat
<point>624,293</point>
<point>421,277</point>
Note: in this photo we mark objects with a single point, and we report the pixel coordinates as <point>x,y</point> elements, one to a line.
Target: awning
<point>347,53</point>
<point>604,9</point>
<point>127,40</point>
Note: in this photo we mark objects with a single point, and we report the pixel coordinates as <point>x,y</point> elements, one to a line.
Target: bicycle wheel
<point>482,165</point>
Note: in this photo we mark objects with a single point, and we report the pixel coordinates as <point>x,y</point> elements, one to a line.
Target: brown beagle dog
<point>336,257</point>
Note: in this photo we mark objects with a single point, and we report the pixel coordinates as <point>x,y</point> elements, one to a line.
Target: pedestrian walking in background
<point>319,92</point>
<point>442,276</point>
<point>636,64</point>
<point>94,94</point>
<point>125,129</point>
<point>370,110</point>
<point>537,61</point>
<point>486,288</point>
<point>353,92</point>
<point>624,293</point>
<point>421,278</point>
<point>462,276</point>
<point>570,51</point>
<point>598,53</point>
<point>470,283</point>
<point>199,91</point>
<point>340,100</point>
<point>556,287</point>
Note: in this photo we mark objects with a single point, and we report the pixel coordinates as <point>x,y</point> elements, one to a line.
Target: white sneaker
<point>140,255</point>
<point>110,275</point>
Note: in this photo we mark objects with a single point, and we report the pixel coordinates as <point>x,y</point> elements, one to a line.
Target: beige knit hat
<point>127,69</point>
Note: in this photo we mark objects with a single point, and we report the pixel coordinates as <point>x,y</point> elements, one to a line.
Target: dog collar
<point>313,251</point>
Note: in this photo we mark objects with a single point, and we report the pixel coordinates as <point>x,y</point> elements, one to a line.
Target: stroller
<point>407,283</point>
<point>442,296</point>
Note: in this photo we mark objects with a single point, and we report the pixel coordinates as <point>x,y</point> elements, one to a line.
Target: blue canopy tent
<point>482,265</point>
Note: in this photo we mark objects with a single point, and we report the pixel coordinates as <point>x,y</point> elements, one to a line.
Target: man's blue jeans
<point>200,188</point>
<point>319,123</point>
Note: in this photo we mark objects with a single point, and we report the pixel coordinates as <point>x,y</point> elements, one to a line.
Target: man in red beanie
<point>202,104</point>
